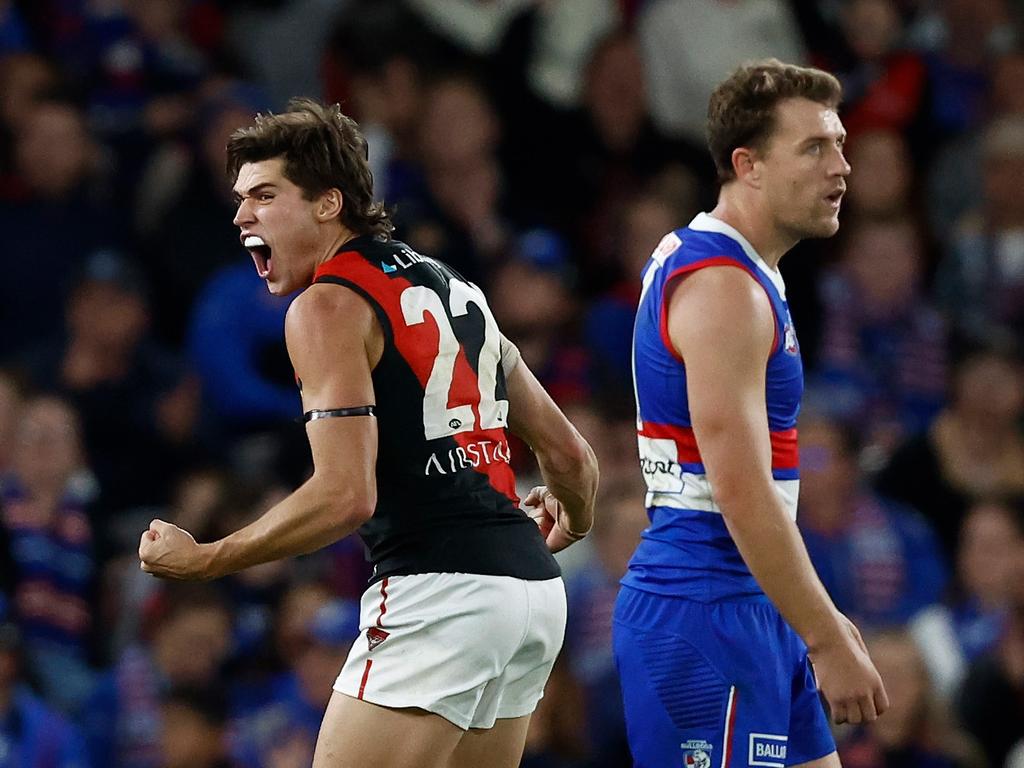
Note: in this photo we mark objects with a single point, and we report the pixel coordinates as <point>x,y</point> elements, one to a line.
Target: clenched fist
<point>549,514</point>
<point>170,552</point>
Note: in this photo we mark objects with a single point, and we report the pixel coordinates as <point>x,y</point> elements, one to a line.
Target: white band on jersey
<point>509,356</point>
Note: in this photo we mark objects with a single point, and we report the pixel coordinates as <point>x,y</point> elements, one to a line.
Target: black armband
<point>316,413</point>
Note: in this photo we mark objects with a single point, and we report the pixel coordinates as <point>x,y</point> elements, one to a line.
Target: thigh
<point>679,708</point>
<point>500,746</point>
<point>356,734</point>
<point>703,684</point>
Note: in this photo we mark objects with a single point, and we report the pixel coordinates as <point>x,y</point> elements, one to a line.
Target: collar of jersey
<point>704,222</point>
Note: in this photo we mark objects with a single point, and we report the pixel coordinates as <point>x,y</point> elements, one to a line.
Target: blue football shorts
<point>715,685</point>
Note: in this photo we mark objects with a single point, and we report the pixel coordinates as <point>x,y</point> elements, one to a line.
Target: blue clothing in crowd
<point>34,736</point>
<point>883,566</point>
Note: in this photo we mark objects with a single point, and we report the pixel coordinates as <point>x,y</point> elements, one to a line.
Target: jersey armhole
<point>672,281</point>
<point>378,310</point>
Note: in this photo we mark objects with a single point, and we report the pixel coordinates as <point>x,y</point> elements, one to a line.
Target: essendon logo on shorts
<point>375,636</point>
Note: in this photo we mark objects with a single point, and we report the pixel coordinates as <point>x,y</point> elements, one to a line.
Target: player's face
<point>804,169</point>
<point>278,225</point>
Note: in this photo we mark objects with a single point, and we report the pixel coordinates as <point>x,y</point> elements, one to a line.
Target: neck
<point>749,217</point>
<point>334,244</point>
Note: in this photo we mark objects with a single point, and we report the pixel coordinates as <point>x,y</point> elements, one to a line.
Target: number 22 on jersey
<point>440,420</point>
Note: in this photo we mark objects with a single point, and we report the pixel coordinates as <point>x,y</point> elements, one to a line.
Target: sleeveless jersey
<point>687,550</point>
<point>446,498</point>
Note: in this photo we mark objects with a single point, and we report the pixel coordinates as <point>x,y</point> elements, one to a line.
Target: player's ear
<point>746,167</point>
<point>330,204</point>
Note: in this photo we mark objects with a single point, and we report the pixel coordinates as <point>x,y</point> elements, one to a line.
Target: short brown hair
<point>741,111</point>
<point>322,149</point>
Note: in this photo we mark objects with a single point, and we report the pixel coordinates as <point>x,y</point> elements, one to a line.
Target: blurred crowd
<point>541,147</point>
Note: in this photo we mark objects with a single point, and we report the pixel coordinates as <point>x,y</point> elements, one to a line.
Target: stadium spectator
<point>24,78</point>
<point>386,86</point>
<point>959,38</point>
<point>256,592</point>
<point>917,731</point>
<point>193,733</point>
<point>459,217</point>
<point>688,47</point>
<point>608,323</point>
<point>185,209</point>
<point>139,405</point>
<point>31,732</point>
<point>881,179</point>
<point>236,344</point>
<point>139,66</point>
<point>970,622</point>
<point>288,722</point>
<point>282,43</point>
<point>882,359</point>
<point>991,702</point>
<point>539,267</point>
<point>591,592</point>
<point>980,283</point>
<point>880,561</point>
<point>955,178</point>
<point>612,153</point>
<point>974,448</point>
<point>884,84</point>
<point>44,504</point>
<point>186,641</point>
<point>53,196</point>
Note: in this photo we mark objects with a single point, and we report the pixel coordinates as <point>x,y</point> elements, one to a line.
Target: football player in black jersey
<point>408,389</point>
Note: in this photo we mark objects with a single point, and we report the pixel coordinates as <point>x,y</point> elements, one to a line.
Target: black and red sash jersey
<point>446,500</point>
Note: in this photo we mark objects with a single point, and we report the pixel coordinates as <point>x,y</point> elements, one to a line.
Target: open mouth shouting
<point>260,252</point>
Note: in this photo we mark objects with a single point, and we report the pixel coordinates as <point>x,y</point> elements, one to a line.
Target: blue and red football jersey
<point>687,550</point>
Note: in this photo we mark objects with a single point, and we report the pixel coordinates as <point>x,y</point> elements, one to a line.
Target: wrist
<point>576,534</point>
<point>208,561</point>
<point>827,633</point>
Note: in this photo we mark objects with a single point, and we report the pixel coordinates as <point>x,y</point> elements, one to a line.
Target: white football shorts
<point>470,648</point>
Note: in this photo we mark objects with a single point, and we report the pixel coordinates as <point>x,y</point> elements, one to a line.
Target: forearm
<point>774,551</point>
<point>573,478</point>
<point>307,520</point>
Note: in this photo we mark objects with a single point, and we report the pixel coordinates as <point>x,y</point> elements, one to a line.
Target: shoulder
<point>718,294</point>
<point>722,314</point>
<point>328,305</point>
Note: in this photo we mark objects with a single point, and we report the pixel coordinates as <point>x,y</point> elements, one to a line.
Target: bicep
<point>328,336</point>
<point>721,324</point>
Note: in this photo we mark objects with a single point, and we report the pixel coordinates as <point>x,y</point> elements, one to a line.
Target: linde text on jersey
<point>469,456</point>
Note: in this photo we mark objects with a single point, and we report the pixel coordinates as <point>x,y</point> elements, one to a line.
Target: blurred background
<point>542,147</point>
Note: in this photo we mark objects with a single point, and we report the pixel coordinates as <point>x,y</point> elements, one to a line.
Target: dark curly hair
<point>741,111</point>
<point>322,149</point>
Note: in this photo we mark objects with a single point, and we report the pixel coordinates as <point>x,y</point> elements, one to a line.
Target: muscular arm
<point>566,460</point>
<point>721,323</point>
<point>331,334</point>
<point>333,341</point>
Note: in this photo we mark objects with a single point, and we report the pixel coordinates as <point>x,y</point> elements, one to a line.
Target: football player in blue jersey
<point>726,641</point>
